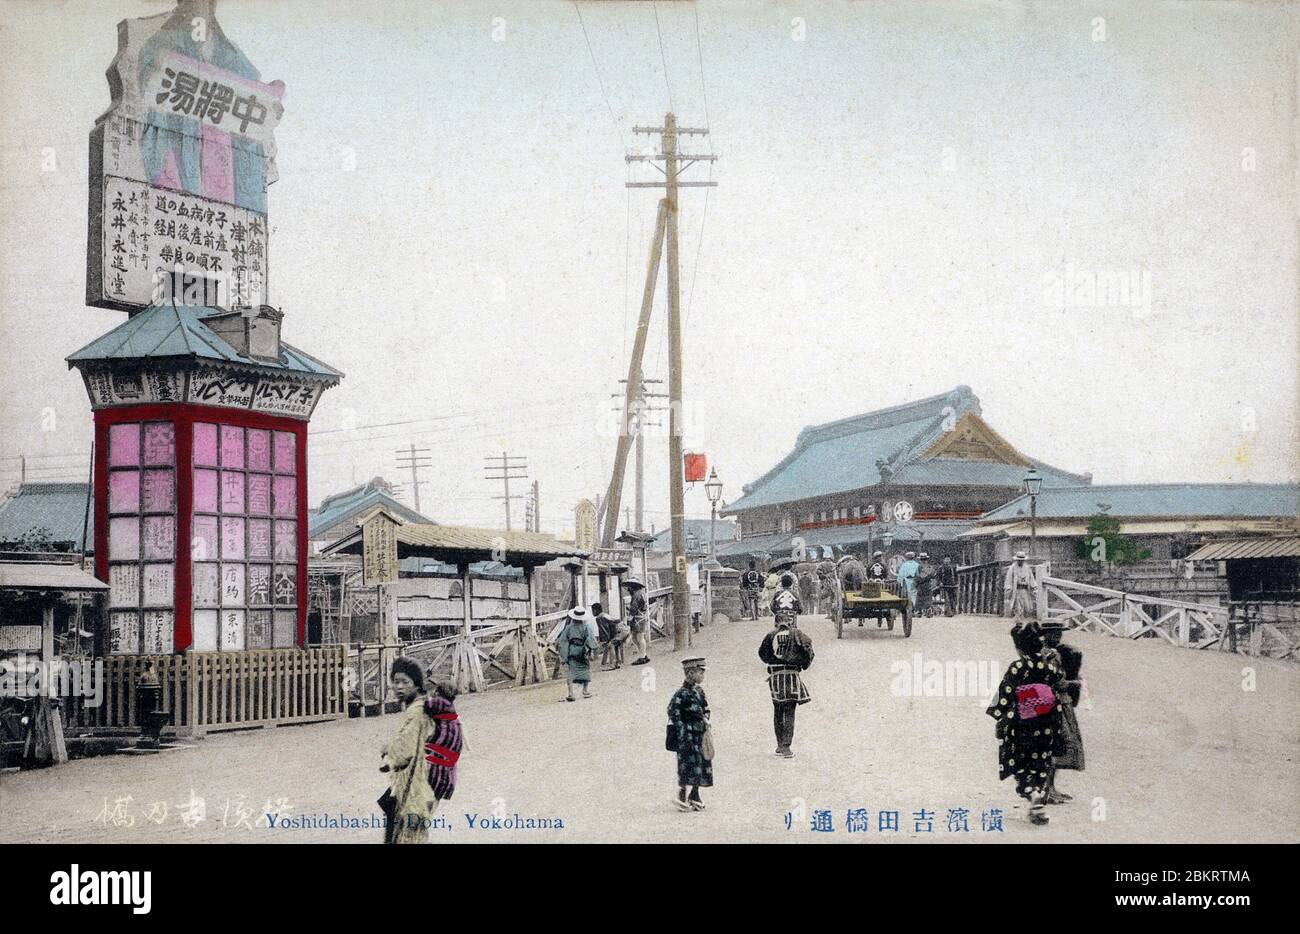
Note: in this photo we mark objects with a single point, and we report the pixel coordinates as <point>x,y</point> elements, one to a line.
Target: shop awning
<point>35,575</point>
<point>1287,546</point>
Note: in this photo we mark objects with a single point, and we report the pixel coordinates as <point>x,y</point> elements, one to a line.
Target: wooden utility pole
<point>673,163</point>
<point>415,458</point>
<point>509,468</point>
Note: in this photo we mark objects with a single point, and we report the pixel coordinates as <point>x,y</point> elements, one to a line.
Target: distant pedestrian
<point>947,578</point>
<point>751,583</point>
<point>688,735</point>
<point>771,584</point>
<point>409,802</point>
<point>1070,661</point>
<point>576,646</point>
<point>907,572</point>
<point>925,583</point>
<point>785,602</point>
<point>1028,719</point>
<point>787,652</point>
<point>638,619</point>
<point>877,570</point>
<point>1019,589</point>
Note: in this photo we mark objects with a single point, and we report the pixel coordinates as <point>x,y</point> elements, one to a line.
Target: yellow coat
<point>408,776</point>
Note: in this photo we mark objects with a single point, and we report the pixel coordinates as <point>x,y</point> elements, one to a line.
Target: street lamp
<point>713,489</point>
<point>1033,483</point>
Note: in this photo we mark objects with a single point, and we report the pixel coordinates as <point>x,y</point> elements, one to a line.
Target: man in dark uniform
<point>948,584</point>
<point>751,583</point>
<point>878,570</point>
<point>786,651</point>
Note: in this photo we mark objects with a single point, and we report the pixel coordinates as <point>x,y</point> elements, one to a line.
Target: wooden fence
<point>212,691</point>
<point>979,588</point>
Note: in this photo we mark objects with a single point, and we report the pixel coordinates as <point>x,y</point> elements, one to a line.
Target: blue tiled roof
<point>1254,500</point>
<point>842,456</point>
<point>168,330</point>
<point>59,508</point>
<point>336,510</point>
<point>662,541</point>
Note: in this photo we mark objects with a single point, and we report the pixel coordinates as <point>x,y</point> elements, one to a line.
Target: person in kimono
<point>947,578</point>
<point>1019,588</point>
<point>907,572</point>
<point>878,570</point>
<point>1070,661</point>
<point>409,802</point>
<point>786,651</point>
<point>751,582</point>
<point>1028,719</point>
<point>688,733</point>
<point>771,584</point>
<point>638,619</point>
<point>576,645</point>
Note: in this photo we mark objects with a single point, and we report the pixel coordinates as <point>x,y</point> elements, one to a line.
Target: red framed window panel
<point>210,544</point>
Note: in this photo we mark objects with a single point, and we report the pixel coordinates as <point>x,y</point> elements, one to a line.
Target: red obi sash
<point>1034,700</point>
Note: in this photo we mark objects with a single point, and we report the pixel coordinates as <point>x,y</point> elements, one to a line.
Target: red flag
<point>697,466</point>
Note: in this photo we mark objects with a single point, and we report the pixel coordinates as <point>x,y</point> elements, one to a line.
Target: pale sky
<point>899,187</point>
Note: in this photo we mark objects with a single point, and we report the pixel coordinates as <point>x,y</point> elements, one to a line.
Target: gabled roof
<point>848,454</point>
<point>1148,500</point>
<point>456,544</point>
<point>59,508</point>
<point>351,504</point>
<point>177,331</point>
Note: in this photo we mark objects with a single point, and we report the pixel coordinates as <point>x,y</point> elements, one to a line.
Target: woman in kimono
<point>688,733</point>
<point>409,802</point>
<point>576,645</point>
<point>1028,720</point>
<point>1070,661</point>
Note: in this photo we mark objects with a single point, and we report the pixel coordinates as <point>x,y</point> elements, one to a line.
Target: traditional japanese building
<point>916,475</point>
<point>200,478</point>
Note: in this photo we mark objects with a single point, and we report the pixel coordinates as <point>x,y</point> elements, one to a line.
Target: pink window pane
<point>232,491</point>
<point>286,503</point>
<point>159,537</point>
<point>124,445</point>
<point>232,446</point>
<point>259,538</point>
<point>284,452</point>
<point>159,491</point>
<point>205,444</point>
<point>259,449</point>
<point>159,443</point>
<point>259,494</point>
<point>123,539</point>
<point>205,491</point>
<point>232,538</point>
<point>286,542</point>
<point>124,491</point>
<point>203,543</point>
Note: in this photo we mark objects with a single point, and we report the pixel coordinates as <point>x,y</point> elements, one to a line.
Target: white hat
<point>578,612</point>
<point>1020,556</point>
<point>632,582</point>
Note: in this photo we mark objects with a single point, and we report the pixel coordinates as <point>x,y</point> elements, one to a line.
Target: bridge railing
<point>979,589</point>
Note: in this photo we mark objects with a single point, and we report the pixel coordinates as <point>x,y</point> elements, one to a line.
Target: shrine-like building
<point>200,478</point>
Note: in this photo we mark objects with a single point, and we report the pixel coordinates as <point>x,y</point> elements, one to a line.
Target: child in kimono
<point>576,645</point>
<point>1028,720</point>
<point>1070,661</point>
<point>688,736</point>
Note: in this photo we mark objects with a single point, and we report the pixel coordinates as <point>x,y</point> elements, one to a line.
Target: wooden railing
<point>211,691</point>
<point>1134,616</point>
<point>979,588</point>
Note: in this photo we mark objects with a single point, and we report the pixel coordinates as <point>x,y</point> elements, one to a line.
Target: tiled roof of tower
<point>168,330</point>
<point>337,509</point>
<point>843,455</point>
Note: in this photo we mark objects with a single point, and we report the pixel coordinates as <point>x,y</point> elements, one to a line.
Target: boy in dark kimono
<point>786,651</point>
<point>1028,720</point>
<point>688,731</point>
<point>1070,661</point>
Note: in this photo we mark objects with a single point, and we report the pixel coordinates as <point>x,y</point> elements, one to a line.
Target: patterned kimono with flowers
<point>688,714</point>
<point>1028,722</point>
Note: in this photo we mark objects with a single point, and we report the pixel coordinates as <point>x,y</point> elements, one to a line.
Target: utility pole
<point>415,458</point>
<point>673,164</point>
<point>537,507</point>
<point>641,407</point>
<point>506,468</point>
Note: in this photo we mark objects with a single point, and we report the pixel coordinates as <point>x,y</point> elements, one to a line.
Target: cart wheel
<point>907,623</point>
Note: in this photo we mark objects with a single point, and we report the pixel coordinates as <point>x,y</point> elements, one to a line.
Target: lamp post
<point>713,489</point>
<point>1033,483</point>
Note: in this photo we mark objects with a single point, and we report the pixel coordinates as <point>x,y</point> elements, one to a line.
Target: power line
<point>662,57</point>
<point>599,80</point>
<point>509,469</point>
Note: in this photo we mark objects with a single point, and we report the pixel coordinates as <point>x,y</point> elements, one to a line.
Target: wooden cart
<point>873,603</point>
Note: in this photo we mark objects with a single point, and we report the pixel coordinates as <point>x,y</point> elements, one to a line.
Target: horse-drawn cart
<point>873,602</point>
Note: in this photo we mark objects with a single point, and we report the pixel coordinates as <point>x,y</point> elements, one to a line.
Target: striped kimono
<point>444,746</point>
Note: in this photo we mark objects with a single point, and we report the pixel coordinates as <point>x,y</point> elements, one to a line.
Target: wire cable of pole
<point>599,80</point>
<point>662,57</point>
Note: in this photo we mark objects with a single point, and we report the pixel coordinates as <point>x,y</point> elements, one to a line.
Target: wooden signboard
<point>379,550</point>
